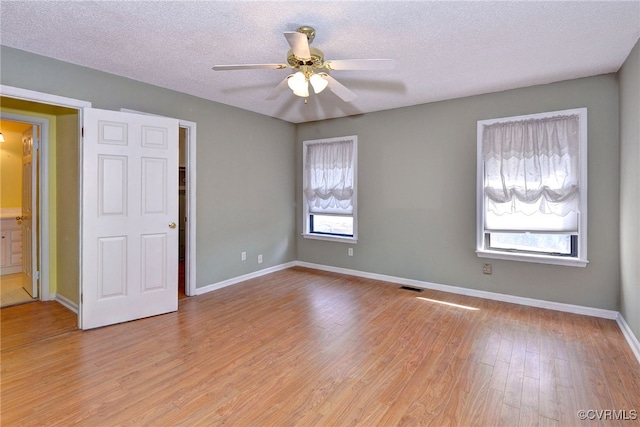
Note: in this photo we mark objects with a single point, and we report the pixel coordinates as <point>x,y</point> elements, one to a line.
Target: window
<point>329,188</point>
<point>532,188</point>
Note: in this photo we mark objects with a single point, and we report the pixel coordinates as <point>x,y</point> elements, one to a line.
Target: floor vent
<point>410,288</point>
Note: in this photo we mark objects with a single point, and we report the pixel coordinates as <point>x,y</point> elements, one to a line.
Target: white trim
<point>581,260</point>
<point>531,302</point>
<point>66,302</point>
<point>190,209</point>
<point>540,259</point>
<point>239,279</point>
<point>629,336</point>
<point>40,97</point>
<point>43,199</point>
<point>550,305</point>
<point>330,238</point>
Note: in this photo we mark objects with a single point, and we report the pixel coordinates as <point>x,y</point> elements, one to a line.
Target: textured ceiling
<point>443,49</point>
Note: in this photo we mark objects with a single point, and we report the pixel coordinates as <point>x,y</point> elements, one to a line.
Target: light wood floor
<point>11,290</point>
<point>302,347</point>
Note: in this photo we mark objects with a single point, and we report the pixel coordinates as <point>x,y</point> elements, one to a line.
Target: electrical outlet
<point>243,256</point>
<point>486,268</point>
<point>350,251</point>
<point>260,259</point>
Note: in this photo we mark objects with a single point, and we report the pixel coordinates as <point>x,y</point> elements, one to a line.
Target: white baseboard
<point>570,308</point>
<point>550,305</point>
<point>629,336</point>
<point>66,302</point>
<point>234,280</point>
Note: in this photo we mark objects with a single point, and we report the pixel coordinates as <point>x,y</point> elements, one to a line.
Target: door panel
<point>154,186</point>
<point>129,200</point>
<point>112,185</point>
<point>112,267</point>
<point>153,261</point>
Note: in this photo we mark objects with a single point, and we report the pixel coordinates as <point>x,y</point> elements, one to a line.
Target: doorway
<point>41,104</point>
<point>182,194</point>
<point>186,209</point>
<point>53,212</point>
<point>19,210</point>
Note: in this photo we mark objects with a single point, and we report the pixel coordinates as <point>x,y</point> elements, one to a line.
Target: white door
<point>29,234</point>
<point>129,254</point>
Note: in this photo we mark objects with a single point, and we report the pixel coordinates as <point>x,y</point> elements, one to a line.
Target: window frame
<point>482,235</point>
<point>306,215</point>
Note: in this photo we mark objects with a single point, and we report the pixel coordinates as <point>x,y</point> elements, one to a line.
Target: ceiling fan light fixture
<point>319,84</point>
<point>303,91</point>
<point>296,80</point>
<point>299,84</point>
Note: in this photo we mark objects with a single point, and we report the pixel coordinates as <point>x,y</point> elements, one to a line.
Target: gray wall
<point>417,194</point>
<point>245,161</point>
<point>630,190</point>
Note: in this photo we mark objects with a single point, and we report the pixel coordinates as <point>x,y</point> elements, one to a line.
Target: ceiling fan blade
<point>277,91</point>
<point>361,64</point>
<point>339,89</point>
<point>249,67</point>
<point>299,44</point>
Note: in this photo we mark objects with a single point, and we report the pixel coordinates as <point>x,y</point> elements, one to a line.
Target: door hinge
<point>82,132</point>
<point>36,275</point>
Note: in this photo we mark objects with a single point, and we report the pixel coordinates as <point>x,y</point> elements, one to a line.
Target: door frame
<point>45,98</point>
<point>190,208</point>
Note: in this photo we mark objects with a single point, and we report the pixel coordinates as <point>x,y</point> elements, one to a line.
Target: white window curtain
<point>329,177</point>
<point>531,171</point>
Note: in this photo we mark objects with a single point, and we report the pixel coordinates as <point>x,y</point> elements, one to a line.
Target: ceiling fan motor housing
<point>317,56</point>
<point>308,31</point>
<point>316,60</point>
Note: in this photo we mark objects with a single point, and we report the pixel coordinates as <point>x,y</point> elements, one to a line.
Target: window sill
<point>330,238</point>
<point>540,259</point>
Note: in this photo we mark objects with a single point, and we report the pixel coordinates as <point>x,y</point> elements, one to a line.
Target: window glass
<point>532,242</point>
<point>329,224</point>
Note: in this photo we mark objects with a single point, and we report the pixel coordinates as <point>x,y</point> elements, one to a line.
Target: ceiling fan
<point>312,67</point>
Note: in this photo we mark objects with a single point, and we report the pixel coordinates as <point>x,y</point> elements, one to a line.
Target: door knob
<point>172,225</point>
